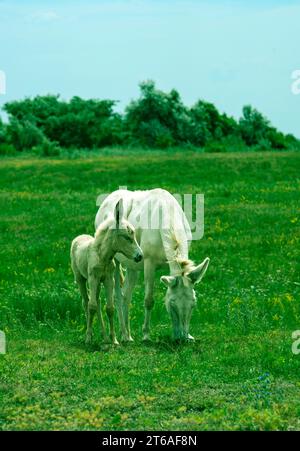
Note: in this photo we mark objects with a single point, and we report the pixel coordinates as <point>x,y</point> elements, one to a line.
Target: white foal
<point>92,263</point>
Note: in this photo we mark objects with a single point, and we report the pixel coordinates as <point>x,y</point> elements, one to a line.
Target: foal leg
<point>81,282</point>
<point>119,300</point>
<point>130,280</point>
<point>149,273</point>
<point>89,323</point>
<point>93,307</point>
<point>110,307</point>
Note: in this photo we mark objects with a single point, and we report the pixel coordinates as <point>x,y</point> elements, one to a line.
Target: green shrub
<point>47,149</point>
<point>2,132</point>
<point>7,149</point>
<point>77,123</point>
<point>263,144</point>
<point>292,142</point>
<point>155,120</point>
<point>154,134</point>
<point>277,139</point>
<point>234,143</point>
<point>215,147</point>
<point>23,136</point>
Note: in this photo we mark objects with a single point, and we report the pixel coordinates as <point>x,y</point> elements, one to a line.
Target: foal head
<point>180,297</point>
<point>124,236</point>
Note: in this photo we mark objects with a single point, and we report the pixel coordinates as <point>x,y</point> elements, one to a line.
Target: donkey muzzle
<point>138,258</point>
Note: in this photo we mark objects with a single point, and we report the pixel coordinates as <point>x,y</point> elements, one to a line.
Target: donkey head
<point>125,239</point>
<point>181,299</point>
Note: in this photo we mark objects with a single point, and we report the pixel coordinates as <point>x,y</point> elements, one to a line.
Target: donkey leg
<point>149,273</point>
<point>130,280</point>
<point>119,300</point>
<point>110,307</point>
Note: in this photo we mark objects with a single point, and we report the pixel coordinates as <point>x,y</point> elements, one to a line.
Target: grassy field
<point>239,374</point>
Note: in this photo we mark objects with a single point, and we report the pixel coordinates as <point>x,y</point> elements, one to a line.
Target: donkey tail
<point>122,277</point>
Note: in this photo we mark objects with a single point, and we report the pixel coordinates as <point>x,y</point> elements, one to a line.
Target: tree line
<point>156,119</point>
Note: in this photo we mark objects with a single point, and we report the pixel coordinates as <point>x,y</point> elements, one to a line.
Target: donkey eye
<point>128,238</point>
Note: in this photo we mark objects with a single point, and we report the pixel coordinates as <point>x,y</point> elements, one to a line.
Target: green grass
<point>239,374</point>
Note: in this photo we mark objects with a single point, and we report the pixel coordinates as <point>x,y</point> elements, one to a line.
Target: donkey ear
<point>196,275</point>
<point>119,213</point>
<point>168,281</point>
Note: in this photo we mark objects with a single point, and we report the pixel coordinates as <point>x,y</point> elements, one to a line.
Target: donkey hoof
<point>126,339</point>
<point>146,338</point>
<point>190,338</point>
<point>114,340</point>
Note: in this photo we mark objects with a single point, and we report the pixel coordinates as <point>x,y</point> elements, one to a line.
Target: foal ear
<point>119,213</point>
<point>168,281</point>
<point>196,275</point>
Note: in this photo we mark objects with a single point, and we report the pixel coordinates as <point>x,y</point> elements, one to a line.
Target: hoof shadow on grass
<point>166,343</point>
<point>161,343</point>
<point>94,346</point>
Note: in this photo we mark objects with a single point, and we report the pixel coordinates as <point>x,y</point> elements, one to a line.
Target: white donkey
<point>92,263</point>
<point>164,234</point>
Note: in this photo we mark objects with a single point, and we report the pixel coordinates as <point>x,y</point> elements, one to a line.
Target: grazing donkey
<point>164,242</point>
<point>92,263</point>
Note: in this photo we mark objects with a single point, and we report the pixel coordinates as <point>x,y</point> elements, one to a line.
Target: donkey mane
<point>173,244</point>
<point>185,266</point>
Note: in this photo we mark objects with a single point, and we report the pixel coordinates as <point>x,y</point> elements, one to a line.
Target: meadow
<point>239,374</point>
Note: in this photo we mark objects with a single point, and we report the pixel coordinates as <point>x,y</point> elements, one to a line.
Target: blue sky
<point>228,52</point>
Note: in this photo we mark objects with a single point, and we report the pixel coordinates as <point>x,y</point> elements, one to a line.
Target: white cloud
<point>44,16</point>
